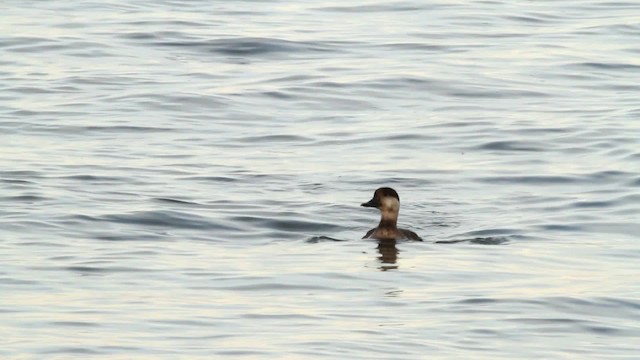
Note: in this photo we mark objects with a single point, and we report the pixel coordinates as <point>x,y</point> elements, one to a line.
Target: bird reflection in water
<point>388,254</point>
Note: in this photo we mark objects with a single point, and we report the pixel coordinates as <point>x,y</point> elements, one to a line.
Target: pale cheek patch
<point>389,208</point>
<point>390,203</point>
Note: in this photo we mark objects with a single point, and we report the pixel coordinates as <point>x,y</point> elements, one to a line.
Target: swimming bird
<point>388,202</point>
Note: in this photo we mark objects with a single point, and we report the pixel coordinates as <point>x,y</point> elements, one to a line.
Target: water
<point>183,179</point>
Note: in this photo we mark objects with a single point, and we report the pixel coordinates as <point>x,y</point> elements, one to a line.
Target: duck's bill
<point>371,203</point>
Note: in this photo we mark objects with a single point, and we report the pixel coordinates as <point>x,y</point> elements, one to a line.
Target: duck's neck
<point>388,220</point>
<point>388,224</point>
<point>389,213</point>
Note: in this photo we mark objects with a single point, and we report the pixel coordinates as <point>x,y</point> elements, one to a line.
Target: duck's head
<point>387,200</point>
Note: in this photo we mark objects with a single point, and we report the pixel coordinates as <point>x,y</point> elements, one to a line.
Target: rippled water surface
<point>182,179</point>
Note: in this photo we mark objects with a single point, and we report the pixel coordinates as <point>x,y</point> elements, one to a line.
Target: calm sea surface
<point>182,179</point>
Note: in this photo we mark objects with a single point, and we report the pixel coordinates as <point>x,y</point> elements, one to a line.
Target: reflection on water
<point>388,254</point>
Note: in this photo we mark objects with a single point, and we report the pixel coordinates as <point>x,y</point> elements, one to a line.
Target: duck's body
<point>388,202</point>
<point>381,233</point>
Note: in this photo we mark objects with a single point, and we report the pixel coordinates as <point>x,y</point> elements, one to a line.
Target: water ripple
<point>165,219</point>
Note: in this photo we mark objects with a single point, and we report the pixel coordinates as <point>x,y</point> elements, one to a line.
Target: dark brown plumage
<point>388,202</point>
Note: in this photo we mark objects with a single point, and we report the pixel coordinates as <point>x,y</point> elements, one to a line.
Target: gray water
<point>182,179</point>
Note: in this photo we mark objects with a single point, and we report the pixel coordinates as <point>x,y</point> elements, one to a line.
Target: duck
<point>388,202</point>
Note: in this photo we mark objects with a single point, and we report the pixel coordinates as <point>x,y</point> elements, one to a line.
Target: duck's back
<point>369,233</point>
<point>410,235</point>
